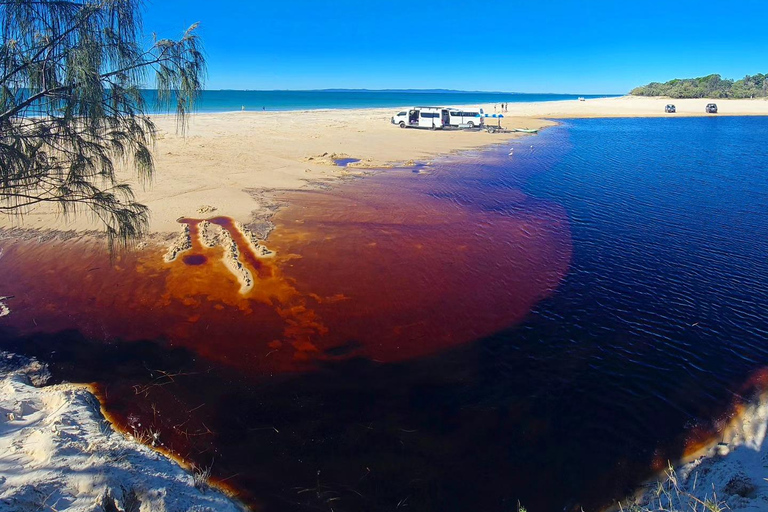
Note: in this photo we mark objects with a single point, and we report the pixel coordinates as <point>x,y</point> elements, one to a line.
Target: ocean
<point>231,100</point>
<point>547,326</point>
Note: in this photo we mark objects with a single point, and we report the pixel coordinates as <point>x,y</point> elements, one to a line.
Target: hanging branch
<point>72,110</point>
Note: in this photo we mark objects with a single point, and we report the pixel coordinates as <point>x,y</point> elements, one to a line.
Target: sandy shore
<point>57,452</point>
<point>227,159</point>
<point>636,106</point>
<point>729,471</point>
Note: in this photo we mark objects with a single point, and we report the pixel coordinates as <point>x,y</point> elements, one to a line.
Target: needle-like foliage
<point>71,108</point>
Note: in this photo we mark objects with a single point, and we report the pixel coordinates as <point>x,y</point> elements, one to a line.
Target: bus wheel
<point>402,124</point>
<point>471,124</point>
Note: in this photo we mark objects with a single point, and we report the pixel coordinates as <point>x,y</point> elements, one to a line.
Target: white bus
<point>468,118</point>
<point>423,117</point>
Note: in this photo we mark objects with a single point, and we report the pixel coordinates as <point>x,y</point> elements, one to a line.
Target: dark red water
<point>386,269</point>
<point>355,276</point>
<point>397,272</point>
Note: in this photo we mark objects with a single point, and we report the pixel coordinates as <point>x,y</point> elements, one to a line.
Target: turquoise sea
<point>230,100</point>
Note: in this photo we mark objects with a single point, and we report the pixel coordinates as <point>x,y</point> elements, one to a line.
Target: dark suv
<point>711,108</point>
<point>670,109</point>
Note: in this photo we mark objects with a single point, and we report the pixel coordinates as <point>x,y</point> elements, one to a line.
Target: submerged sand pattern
<point>243,254</point>
<point>212,235</point>
<point>181,243</point>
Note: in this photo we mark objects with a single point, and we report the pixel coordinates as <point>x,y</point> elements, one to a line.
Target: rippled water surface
<point>548,326</point>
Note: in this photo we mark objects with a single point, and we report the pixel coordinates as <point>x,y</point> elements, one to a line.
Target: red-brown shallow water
<point>396,267</point>
<point>371,269</point>
<point>396,273</point>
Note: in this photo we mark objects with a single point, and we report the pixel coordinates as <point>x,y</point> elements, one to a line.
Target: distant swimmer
<point>511,151</point>
<point>242,107</point>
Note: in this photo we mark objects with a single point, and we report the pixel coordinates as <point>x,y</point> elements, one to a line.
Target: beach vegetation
<point>710,86</point>
<point>669,494</point>
<point>201,477</point>
<point>72,116</point>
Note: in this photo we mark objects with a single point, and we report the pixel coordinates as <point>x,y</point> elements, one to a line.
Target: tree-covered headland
<point>711,86</point>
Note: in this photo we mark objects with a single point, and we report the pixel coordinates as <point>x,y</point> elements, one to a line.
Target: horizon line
<point>434,91</point>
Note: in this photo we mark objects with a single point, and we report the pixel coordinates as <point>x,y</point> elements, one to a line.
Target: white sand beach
<point>729,471</point>
<point>226,159</point>
<point>57,452</point>
<point>636,106</point>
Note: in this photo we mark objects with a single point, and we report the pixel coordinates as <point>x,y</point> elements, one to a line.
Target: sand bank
<point>227,159</point>
<point>57,452</point>
<point>729,470</point>
<point>634,106</point>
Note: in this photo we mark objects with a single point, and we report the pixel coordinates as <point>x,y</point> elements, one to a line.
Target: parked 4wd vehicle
<point>711,108</point>
<point>670,109</point>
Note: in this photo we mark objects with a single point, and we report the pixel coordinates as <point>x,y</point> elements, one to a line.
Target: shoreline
<point>56,437</point>
<point>728,469</point>
<point>217,101</point>
<point>335,174</point>
<point>533,108</point>
<point>226,161</point>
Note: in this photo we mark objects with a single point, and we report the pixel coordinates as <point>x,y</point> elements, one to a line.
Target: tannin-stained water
<point>401,269</point>
<point>545,327</point>
<point>386,269</point>
<point>357,274</point>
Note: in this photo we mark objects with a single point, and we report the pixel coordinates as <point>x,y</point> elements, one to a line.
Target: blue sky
<point>559,46</point>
